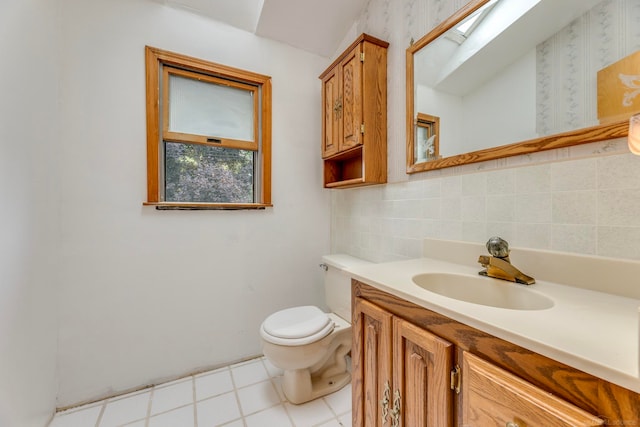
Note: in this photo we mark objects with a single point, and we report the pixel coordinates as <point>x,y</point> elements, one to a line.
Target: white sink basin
<point>483,291</point>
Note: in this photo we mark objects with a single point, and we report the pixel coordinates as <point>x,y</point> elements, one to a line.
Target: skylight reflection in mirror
<point>466,27</point>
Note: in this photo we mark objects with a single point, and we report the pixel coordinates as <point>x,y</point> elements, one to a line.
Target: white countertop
<point>592,331</point>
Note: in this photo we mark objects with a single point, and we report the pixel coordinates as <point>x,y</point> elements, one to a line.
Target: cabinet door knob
<point>512,424</point>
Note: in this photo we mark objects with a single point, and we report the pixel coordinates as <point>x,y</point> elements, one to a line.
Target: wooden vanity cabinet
<point>403,372</point>
<point>354,111</point>
<point>450,374</point>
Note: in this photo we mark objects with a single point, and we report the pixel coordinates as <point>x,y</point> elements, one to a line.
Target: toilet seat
<point>296,326</point>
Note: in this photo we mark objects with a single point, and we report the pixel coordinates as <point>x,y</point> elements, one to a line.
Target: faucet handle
<point>498,247</point>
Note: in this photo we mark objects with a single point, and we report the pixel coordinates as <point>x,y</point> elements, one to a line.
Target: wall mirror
<point>509,77</point>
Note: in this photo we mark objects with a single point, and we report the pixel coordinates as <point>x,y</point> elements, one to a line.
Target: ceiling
<point>315,26</point>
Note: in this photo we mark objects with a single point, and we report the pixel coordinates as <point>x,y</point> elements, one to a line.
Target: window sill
<point>180,206</point>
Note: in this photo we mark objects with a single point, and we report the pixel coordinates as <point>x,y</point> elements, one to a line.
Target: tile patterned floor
<point>243,395</point>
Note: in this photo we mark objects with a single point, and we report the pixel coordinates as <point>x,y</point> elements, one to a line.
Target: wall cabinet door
<point>351,100</point>
<point>400,372</point>
<point>331,99</point>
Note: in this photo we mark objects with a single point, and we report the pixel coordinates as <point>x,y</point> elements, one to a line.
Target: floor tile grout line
<point>235,393</point>
<point>149,403</point>
<point>193,401</point>
<point>102,409</point>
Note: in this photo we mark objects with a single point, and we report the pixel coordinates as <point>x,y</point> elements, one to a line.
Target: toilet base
<point>299,386</point>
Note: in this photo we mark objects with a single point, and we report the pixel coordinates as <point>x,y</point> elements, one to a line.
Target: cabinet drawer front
<point>493,397</point>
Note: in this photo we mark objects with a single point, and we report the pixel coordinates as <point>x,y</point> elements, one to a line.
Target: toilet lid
<point>298,322</point>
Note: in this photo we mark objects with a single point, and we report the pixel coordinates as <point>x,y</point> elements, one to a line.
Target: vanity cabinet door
<point>400,372</point>
<point>371,364</point>
<point>493,397</point>
<point>422,363</point>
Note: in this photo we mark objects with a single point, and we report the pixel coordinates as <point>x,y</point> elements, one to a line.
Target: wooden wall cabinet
<point>354,115</point>
<point>448,374</point>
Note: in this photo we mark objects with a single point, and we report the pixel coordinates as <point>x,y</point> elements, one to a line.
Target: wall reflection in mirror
<point>516,70</point>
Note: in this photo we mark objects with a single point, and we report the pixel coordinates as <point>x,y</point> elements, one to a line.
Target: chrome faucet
<point>498,264</point>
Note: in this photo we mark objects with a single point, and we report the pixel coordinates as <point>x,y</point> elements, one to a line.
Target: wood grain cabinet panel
<point>371,363</point>
<point>422,363</point>
<point>493,397</point>
<point>354,116</point>
<point>331,99</point>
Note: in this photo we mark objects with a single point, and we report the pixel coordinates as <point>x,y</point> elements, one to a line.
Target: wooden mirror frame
<point>613,130</point>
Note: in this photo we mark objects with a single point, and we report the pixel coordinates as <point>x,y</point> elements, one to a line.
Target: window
<point>208,134</point>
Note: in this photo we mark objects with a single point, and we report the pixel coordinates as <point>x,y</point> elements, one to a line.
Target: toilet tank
<point>337,283</point>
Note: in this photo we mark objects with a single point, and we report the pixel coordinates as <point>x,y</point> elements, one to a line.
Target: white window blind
<point>210,109</point>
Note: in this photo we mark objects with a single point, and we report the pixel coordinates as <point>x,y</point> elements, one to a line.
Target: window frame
<point>159,65</point>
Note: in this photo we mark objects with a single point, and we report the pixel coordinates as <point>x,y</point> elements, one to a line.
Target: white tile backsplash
<point>574,175</point>
<point>619,172</point>
<point>614,242</point>
<point>533,208</point>
<point>501,181</point>
<point>574,238</point>
<point>587,205</point>
<point>574,207</point>
<point>474,184</point>
<point>619,207</point>
<point>533,179</point>
<point>474,208</point>
<point>501,208</point>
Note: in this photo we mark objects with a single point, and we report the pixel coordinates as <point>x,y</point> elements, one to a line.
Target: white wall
<point>28,329</point>
<point>148,295</point>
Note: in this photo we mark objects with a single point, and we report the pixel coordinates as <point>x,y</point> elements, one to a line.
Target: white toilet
<point>311,346</point>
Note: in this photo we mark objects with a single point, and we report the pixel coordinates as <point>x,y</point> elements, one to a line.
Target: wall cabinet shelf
<point>413,367</point>
<point>354,111</point>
